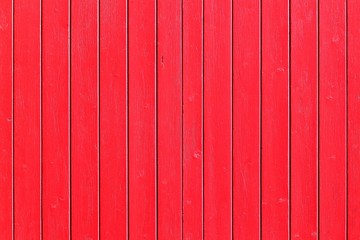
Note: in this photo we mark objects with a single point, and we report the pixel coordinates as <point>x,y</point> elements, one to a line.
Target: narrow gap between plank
<point>231,120</point>
<point>156,121</point>
<point>13,120</point>
<point>318,116</point>
<point>98,117</point>
<point>41,124</point>
<point>346,121</point>
<point>69,117</point>
<point>289,118</point>
<point>260,119</point>
<point>202,118</point>
<point>182,116</point>
<point>127,120</point>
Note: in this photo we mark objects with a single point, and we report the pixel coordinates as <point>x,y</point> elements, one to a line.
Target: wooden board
<point>142,120</point>
<point>332,120</point>
<point>275,120</point>
<point>84,120</point>
<point>169,120</point>
<point>27,120</point>
<point>113,107</point>
<point>246,119</point>
<point>353,130</point>
<point>304,120</point>
<point>55,120</point>
<point>192,141</point>
<point>6,119</point>
<point>217,94</point>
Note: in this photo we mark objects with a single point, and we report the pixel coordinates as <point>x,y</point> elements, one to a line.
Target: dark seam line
<point>318,113</point>
<point>41,124</point>
<point>346,120</point>
<point>69,119</point>
<point>98,119</point>
<point>13,118</point>
<point>127,121</point>
<point>182,114</point>
<point>156,121</point>
<point>289,118</point>
<point>202,117</point>
<point>232,119</point>
<point>260,124</point>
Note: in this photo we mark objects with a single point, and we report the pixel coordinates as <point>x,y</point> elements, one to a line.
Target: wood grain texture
<point>27,122</point>
<point>246,119</point>
<point>6,119</point>
<point>192,119</point>
<point>217,120</point>
<point>353,119</point>
<point>84,120</point>
<point>142,120</point>
<point>169,115</point>
<point>304,120</point>
<point>55,120</point>
<point>332,104</point>
<point>275,120</point>
<point>113,182</point>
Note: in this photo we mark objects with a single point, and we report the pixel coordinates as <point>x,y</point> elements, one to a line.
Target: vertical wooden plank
<point>304,89</point>
<point>192,119</point>
<point>27,162</point>
<point>246,117</point>
<point>332,104</point>
<point>55,120</point>
<point>275,120</point>
<point>217,119</point>
<point>353,119</point>
<point>142,119</point>
<point>6,119</point>
<point>113,119</point>
<point>84,120</point>
<point>169,149</point>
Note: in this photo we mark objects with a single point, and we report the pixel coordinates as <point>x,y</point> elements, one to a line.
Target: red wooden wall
<point>180,119</point>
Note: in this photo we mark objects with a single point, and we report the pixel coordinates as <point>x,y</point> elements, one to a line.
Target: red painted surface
<point>192,143</point>
<point>217,95</point>
<point>304,120</point>
<point>113,186</point>
<point>55,120</point>
<point>84,122</point>
<point>332,120</point>
<point>27,120</point>
<point>353,129</point>
<point>275,199</point>
<point>169,120</point>
<point>246,120</point>
<point>6,120</point>
<point>179,119</point>
<point>142,126</point>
